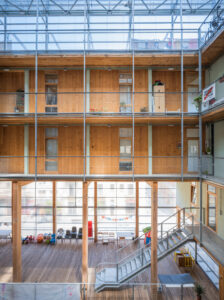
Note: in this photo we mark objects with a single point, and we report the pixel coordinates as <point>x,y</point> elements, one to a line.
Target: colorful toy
<point>147,232</point>
<point>25,240</point>
<point>53,240</point>
<point>47,238</point>
<point>40,238</point>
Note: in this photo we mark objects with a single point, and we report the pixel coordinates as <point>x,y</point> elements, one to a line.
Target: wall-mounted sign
<point>208,93</point>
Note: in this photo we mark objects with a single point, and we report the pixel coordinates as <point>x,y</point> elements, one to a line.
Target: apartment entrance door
<point>192,155</point>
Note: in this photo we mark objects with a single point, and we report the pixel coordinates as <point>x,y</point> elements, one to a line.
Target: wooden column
<point>85,233</point>
<point>178,217</point>
<point>16,232</point>
<point>221,282</point>
<point>154,268</point>
<point>54,208</point>
<point>95,213</point>
<point>137,211</point>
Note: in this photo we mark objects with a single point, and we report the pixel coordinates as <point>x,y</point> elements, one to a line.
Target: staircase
<point>111,275</point>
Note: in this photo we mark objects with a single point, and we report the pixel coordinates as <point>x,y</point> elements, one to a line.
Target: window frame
<point>55,159</point>
<point>51,84</point>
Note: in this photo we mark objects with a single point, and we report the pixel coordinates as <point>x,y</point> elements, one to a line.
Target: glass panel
<point>51,78</point>
<point>125,132</point>
<point>51,165</point>
<point>211,188</point>
<point>212,211</point>
<point>51,96</point>
<point>51,132</point>
<point>125,148</point>
<point>51,148</point>
<point>125,166</point>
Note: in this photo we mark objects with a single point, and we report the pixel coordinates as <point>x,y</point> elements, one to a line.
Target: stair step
<point>180,235</point>
<point>147,256</point>
<point>133,265</point>
<point>138,261</point>
<point>124,270</point>
<point>161,246</point>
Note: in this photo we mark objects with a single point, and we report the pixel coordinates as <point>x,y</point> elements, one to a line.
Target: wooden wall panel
<point>104,141</point>
<point>70,81</point>
<point>172,84</point>
<point>104,81</point>
<point>141,85</point>
<point>70,143</point>
<point>165,142</point>
<point>12,145</point>
<point>141,150</point>
<point>10,82</point>
<point>41,90</point>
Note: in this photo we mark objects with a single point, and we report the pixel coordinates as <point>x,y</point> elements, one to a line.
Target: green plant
<point>199,289</point>
<point>208,150</point>
<point>122,104</point>
<point>143,109</point>
<point>197,101</point>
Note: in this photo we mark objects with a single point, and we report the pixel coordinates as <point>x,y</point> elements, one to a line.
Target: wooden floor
<point>62,263</point>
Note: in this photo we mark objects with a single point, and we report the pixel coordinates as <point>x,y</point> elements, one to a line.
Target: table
<point>124,235</point>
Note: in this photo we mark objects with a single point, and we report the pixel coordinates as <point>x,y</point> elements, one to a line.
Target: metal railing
<point>134,248</point>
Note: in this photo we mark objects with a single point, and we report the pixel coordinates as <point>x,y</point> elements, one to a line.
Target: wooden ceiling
<point>214,50</point>
<point>146,60</point>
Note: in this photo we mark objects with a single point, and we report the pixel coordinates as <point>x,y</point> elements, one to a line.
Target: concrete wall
<point>219,149</point>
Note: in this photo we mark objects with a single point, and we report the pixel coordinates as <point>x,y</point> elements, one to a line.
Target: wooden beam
<point>178,217</point>
<point>154,267</point>
<point>54,208</point>
<point>221,282</point>
<point>16,232</point>
<point>95,213</point>
<point>137,211</point>
<point>85,233</point>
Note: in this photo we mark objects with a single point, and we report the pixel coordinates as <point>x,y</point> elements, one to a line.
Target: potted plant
<point>199,291</point>
<point>208,150</point>
<point>143,109</point>
<point>122,107</point>
<point>197,101</point>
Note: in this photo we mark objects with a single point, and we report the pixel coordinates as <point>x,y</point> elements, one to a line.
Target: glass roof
<point>106,25</point>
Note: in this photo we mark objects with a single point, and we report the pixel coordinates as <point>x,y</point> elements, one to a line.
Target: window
<point>193,193</point>
<point>51,86</point>
<point>19,101</point>
<point>125,81</point>
<point>51,149</point>
<point>125,163</point>
<point>125,98</point>
<point>211,206</point>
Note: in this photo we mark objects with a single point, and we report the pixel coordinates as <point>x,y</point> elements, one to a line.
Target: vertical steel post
<point>200,133</point>
<point>133,93</point>
<point>182,90</point>
<point>36,94</point>
<point>5,33</point>
<point>84,97</point>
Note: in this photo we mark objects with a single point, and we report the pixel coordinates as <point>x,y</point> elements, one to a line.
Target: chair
<point>60,234</point>
<point>74,233</point>
<point>80,233</point>
<point>68,234</point>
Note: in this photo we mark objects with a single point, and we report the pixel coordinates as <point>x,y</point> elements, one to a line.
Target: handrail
<point>141,249</point>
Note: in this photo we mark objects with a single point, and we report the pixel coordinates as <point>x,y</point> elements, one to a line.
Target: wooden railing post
<point>54,208</point>
<point>95,213</point>
<point>16,232</point>
<point>154,233</point>
<point>137,211</point>
<point>85,233</point>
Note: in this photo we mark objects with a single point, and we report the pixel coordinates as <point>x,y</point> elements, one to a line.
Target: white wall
<point>219,149</point>
<point>220,214</point>
<point>215,71</point>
